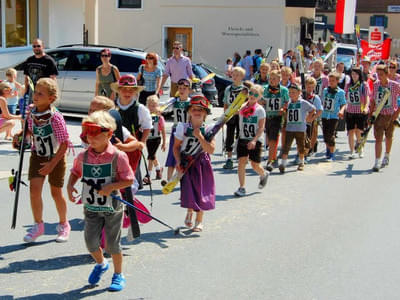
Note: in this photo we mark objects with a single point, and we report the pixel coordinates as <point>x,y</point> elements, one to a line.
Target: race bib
<point>190,143</point>
<point>249,127</point>
<point>45,142</point>
<point>273,104</point>
<point>379,96</point>
<point>180,114</point>
<point>329,103</point>
<point>154,133</point>
<point>96,175</point>
<point>233,94</point>
<point>318,87</point>
<point>293,113</point>
<point>354,97</point>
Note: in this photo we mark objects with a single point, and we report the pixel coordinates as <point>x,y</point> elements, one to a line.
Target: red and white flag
<point>345,16</point>
<point>376,51</point>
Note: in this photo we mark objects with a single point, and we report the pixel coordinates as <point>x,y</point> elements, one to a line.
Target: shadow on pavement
<point>74,294</point>
<point>160,238</point>
<point>349,172</point>
<point>22,246</point>
<point>55,263</point>
<point>51,228</point>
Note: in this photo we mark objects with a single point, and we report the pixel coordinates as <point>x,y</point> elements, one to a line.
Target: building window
<point>21,23</point>
<point>379,20</point>
<point>135,4</point>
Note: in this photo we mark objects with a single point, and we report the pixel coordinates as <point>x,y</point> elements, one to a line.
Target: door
<point>184,35</point>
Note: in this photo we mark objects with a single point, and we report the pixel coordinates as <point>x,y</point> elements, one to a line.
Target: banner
<point>345,16</point>
<point>377,51</point>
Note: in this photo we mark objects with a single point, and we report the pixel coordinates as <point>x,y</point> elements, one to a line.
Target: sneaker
<point>97,272</point>
<point>240,192</point>
<point>376,167</point>
<point>63,232</point>
<point>33,233</point>
<point>396,123</point>
<point>275,163</point>
<point>269,167</point>
<point>146,180</point>
<point>118,283</point>
<point>385,162</point>
<point>228,164</point>
<point>352,155</point>
<point>159,174</point>
<point>263,180</point>
<point>300,167</point>
<point>282,169</point>
<point>361,153</point>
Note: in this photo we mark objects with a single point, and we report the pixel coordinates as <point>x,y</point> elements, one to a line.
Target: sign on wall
<point>375,35</point>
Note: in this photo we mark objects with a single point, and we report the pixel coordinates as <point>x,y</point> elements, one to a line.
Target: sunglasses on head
<point>127,81</point>
<point>251,93</point>
<point>199,100</point>
<point>184,82</point>
<point>93,129</point>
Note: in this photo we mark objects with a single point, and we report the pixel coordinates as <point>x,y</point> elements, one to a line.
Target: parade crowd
<point>126,117</point>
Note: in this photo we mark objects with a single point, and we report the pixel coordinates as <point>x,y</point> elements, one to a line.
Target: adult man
<point>247,64</point>
<point>178,67</point>
<point>383,124</point>
<point>288,59</point>
<point>39,65</point>
<point>257,60</point>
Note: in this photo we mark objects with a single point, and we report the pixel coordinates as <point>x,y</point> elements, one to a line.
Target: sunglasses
<point>254,94</point>
<point>184,82</point>
<point>93,129</point>
<point>105,55</point>
<point>176,48</point>
<point>36,46</point>
<point>392,67</point>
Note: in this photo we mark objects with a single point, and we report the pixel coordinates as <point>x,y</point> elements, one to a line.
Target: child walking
<point>299,112</point>
<point>179,110</point>
<point>197,184</point>
<point>50,142</point>
<point>251,128</point>
<point>104,171</point>
<point>154,139</point>
<point>12,101</point>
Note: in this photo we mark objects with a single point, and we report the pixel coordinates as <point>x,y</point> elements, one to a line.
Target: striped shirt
<point>377,95</point>
<point>150,78</point>
<point>356,98</point>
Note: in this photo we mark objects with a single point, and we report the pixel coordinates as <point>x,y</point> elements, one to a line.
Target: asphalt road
<point>329,232</point>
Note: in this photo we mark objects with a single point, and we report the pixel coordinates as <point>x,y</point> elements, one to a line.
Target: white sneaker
<point>361,154</point>
<point>352,155</point>
<point>63,232</point>
<point>385,162</point>
<point>376,167</point>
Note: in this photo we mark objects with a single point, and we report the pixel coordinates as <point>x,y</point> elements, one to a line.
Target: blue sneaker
<point>98,270</point>
<point>118,283</point>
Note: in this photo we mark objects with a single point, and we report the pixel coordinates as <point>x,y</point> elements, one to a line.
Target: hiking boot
<point>263,180</point>
<point>118,283</point>
<point>240,192</point>
<point>33,233</point>
<point>63,230</point>
<point>97,272</point>
<point>228,164</point>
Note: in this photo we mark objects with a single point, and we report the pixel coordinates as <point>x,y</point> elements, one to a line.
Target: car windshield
<point>345,51</point>
<point>346,59</point>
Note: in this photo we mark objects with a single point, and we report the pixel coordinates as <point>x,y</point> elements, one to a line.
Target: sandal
<point>198,227</point>
<point>188,220</point>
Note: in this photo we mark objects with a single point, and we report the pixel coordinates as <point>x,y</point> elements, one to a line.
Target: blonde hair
<point>318,61</point>
<point>258,88</point>
<point>106,102</point>
<point>50,85</point>
<point>276,64</point>
<point>152,98</point>
<point>3,86</point>
<point>11,72</point>
<point>311,80</point>
<point>240,70</point>
<point>286,70</point>
<point>275,73</point>
<point>334,74</point>
<point>265,65</point>
<point>101,118</point>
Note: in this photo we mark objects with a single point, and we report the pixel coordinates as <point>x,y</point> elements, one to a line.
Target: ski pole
<point>115,197</point>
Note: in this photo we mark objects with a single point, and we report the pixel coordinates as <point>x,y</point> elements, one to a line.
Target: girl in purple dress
<point>197,185</point>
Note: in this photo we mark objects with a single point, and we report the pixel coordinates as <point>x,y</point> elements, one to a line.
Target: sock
<point>301,161</point>
<point>150,173</point>
<point>104,263</point>
<point>284,162</point>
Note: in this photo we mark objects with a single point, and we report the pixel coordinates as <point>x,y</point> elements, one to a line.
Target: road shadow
<point>22,246</point>
<point>49,264</point>
<point>349,172</point>
<point>80,293</point>
<point>161,238</point>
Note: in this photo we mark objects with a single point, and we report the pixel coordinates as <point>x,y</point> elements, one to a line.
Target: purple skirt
<point>198,186</point>
<point>171,162</point>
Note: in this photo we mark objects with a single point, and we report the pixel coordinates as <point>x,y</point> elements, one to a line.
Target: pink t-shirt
<point>161,123</point>
<point>123,172</point>
<point>394,87</point>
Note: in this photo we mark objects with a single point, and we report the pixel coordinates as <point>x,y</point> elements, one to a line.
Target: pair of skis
<point>15,179</point>
<point>364,136</point>
<point>229,113</point>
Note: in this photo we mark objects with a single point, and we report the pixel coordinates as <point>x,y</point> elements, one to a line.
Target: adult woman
<point>106,74</point>
<point>236,59</point>
<point>7,122</point>
<point>150,74</point>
